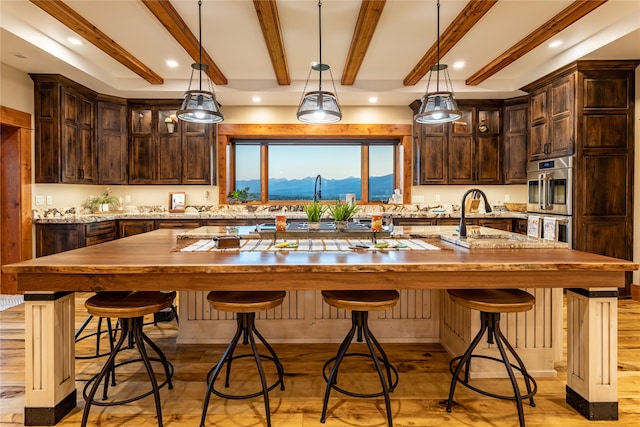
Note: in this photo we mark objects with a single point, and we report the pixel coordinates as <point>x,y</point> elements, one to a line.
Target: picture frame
<point>177,202</point>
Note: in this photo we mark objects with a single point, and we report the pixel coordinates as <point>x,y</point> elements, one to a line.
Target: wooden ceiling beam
<point>370,11</point>
<point>267,11</point>
<point>164,12</point>
<point>574,12</point>
<point>93,35</point>
<point>461,25</point>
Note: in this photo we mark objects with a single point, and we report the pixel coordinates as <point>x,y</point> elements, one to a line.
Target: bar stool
<point>490,303</point>
<point>360,303</point>
<point>130,309</point>
<point>245,304</point>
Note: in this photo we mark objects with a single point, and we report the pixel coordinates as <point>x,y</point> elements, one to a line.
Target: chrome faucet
<point>463,224</point>
<point>317,189</point>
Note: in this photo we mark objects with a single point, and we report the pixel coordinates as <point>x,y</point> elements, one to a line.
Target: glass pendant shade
<point>319,106</point>
<point>200,106</point>
<point>438,106</point>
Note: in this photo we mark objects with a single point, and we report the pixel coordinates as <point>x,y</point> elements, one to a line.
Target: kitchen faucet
<point>317,189</point>
<point>463,224</point>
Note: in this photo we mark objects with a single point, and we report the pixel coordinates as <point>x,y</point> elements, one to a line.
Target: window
<point>299,170</point>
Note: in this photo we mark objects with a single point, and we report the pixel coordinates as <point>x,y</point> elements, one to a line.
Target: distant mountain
<point>380,188</point>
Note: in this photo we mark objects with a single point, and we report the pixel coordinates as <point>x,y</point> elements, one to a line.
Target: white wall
<point>16,89</point>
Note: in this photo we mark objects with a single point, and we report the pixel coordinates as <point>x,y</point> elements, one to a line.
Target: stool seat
<point>378,300</point>
<point>128,304</point>
<point>493,300</point>
<point>245,301</point>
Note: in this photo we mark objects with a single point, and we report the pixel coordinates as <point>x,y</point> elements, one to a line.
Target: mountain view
<point>380,188</point>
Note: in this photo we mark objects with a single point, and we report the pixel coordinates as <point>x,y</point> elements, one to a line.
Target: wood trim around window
<point>228,132</point>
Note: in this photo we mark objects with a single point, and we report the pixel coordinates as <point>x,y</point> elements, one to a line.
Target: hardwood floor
<point>424,382</point>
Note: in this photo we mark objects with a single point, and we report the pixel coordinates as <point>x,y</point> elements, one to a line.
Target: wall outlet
<point>437,197</point>
<point>507,197</point>
<point>49,200</point>
<point>417,199</point>
<point>39,200</point>
<point>127,199</point>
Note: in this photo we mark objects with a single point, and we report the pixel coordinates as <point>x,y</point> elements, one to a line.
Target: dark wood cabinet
<point>590,112</point>
<point>55,238</point>
<point>177,223</point>
<point>131,227</point>
<point>497,223</point>
<point>112,144</point>
<point>516,135</point>
<point>552,117</point>
<point>65,140</point>
<point>460,152</point>
<point>168,153</point>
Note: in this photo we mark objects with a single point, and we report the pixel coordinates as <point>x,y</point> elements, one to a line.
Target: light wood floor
<point>424,381</point>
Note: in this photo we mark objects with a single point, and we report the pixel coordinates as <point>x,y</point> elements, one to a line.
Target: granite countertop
<point>72,216</point>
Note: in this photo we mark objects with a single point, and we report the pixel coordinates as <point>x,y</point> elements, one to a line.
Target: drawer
<point>98,228</point>
<point>100,238</point>
<point>173,223</point>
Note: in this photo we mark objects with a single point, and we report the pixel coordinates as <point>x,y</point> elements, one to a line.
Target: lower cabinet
<point>131,227</point>
<point>54,238</point>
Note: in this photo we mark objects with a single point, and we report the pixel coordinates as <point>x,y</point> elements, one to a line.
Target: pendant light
<point>200,106</point>
<point>319,106</point>
<point>438,106</point>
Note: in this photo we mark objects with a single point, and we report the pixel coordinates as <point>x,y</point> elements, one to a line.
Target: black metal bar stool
<point>245,304</point>
<point>130,309</point>
<point>360,303</point>
<point>490,303</point>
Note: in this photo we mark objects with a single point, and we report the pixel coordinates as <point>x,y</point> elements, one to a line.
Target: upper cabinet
<point>112,144</point>
<point>65,140</point>
<point>467,151</point>
<point>516,135</point>
<point>552,118</point>
<point>163,150</point>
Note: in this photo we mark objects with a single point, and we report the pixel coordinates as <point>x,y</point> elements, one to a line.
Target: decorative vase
<point>171,127</point>
<point>314,226</point>
<point>104,207</point>
<point>341,225</point>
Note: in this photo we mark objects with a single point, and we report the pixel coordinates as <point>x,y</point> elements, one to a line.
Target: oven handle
<point>544,191</point>
<point>541,192</point>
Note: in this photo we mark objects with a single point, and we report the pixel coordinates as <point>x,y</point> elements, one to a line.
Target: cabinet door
<point>141,148</point>
<point>515,143</point>
<point>197,153</point>
<point>113,156</point>
<point>78,157</point>
<point>134,226</point>
<point>168,149</point>
<point>431,154</point>
<point>488,160</point>
<point>539,134</point>
<point>461,159</point>
<point>562,117</point>
<point>55,238</point>
<point>46,149</point>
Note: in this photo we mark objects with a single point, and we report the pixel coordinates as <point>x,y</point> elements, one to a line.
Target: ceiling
<point>379,44</point>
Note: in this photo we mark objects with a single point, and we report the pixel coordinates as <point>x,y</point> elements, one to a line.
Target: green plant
<point>343,211</point>
<point>314,211</point>
<point>240,195</point>
<point>105,198</point>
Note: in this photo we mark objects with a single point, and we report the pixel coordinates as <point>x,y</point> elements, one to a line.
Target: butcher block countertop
<point>150,261</point>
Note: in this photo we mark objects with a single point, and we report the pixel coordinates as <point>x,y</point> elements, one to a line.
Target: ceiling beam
<point>93,35</point>
<point>470,15</point>
<point>370,11</point>
<point>574,12</point>
<point>164,11</point>
<point>267,11</point>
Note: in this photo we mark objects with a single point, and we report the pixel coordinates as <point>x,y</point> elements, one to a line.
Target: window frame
<point>227,133</point>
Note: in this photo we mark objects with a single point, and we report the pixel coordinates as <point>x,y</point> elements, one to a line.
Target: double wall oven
<point>550,192</point>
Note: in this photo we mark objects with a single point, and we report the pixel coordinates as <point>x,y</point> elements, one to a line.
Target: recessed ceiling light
<point>458,64</point>
<point>256,99</point>
<point>555,43</point>
<point>373,99</point>
<point>172,64</point>
<point>74,41</point>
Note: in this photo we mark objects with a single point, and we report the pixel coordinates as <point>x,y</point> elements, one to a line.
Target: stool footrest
<point>392,385</point>
<point>279,381</point>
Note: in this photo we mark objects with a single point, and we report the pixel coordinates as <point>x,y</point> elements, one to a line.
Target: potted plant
<point>342,213</point>
<point>241,196</point>
<point>314,211</point>
<point>171,123</point>
<point>102,203</point>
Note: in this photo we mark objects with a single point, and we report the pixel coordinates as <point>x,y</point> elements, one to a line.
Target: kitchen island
<point>150,262</point>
